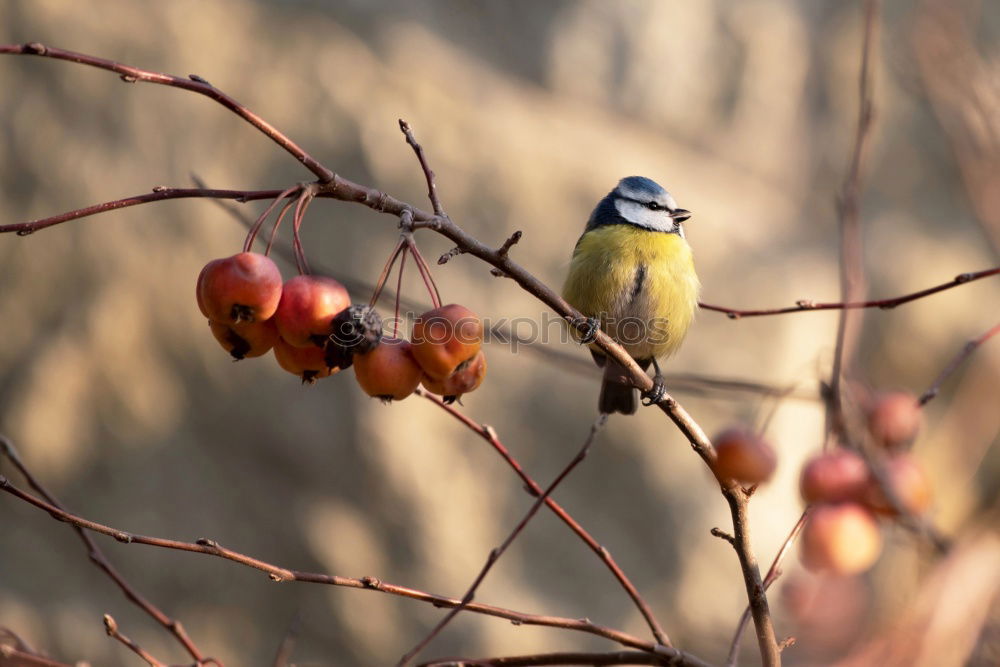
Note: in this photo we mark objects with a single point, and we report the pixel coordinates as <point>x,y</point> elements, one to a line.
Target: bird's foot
<point>656,393</point>
<point>588,330</point>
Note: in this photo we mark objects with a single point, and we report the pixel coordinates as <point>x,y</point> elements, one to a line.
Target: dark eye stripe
<point>651,205</point>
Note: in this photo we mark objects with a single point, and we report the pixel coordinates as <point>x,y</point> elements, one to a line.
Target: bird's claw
<point>588,330</point>
<point>656,393</point>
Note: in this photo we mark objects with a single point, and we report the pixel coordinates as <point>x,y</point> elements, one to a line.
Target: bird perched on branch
<point>632,275</point>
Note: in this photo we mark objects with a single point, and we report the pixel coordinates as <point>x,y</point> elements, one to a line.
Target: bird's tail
<point>617,392</point>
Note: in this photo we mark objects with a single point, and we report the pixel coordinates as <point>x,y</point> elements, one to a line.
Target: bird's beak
<point>680,214</point>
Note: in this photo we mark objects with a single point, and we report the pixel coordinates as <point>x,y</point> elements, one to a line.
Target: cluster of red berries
<point>315,332</point>
<point>842,534</point>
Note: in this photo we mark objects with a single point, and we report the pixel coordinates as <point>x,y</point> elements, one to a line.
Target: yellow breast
<point>641,285</point>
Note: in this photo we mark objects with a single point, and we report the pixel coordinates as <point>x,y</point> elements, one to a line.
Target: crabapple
<point>307,309</point>
<point>744,456</point>
<point>445,337</point>
<point>389,371</point>
<point>467,377</point>
<point>239,289</point>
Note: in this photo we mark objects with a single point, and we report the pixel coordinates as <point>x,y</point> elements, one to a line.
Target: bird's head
<point>640,201</point>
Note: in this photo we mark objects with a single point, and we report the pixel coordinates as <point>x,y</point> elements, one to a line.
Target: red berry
<point>842,539</point>
<point>389,371</point>
<point>908,483</point>
<point>467,377</point>
<point>894,419</point>
<point>252,339</point>
<point>239,289</point>
<point>744,456</point>
<point>445,337</point>
<point>307,309</point>
<point>834,477</point>
<point>309,363</point>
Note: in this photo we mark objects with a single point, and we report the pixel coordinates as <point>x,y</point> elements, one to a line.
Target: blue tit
<point>632,274</point>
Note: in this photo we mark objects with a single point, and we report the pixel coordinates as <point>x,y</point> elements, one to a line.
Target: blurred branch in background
<point>963,87</point>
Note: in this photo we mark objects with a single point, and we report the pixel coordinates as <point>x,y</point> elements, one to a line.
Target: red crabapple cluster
<point>315,331</point>
<point>842,534</point>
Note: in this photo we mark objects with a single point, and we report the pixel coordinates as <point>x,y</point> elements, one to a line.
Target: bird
<point>632,275</point>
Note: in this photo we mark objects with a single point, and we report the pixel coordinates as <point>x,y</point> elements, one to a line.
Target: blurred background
<point>120,400</point>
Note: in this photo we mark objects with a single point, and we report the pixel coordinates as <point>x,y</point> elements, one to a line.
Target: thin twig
<point>756,595</point>
<point>559,658</point>
<point>852,279</point>
<point>772,575</point>
<point>198,85</point>
<point>489,434</point>
<point>111,627</point>
<point>884,304</point>
<point>282,574</point>
<point>432,193</point>
<point>497,552</point>
<point>22,658</point>
<point>100,560</point>
<point>287,646</point>
<point>158,194</point>
<point>957,361</point>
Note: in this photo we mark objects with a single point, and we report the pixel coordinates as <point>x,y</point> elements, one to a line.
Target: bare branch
<point>499,551</point>
<point>884,304</point>
<point>280,574</point>
<point>432,193</point>
<point>852,280</point>
<point>957,361</point>
<point>100,560</point>
<point>566,658</point>
<point>772,575</point>
<point>159,193</point>
<point>488,434</point>
<point>111,627</point>
<point>194,83</point>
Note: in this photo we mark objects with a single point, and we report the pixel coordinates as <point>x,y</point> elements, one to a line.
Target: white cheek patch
<point>637,214</point>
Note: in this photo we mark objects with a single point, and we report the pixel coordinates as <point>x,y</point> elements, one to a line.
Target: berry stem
<point>259,222</point>
<point>300,213</point>
<point>277,223</point>
<point>425,272</point>
<point>399,290</point>
<point>400,247</point>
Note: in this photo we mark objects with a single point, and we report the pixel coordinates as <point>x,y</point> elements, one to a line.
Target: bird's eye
<point>653,206</point>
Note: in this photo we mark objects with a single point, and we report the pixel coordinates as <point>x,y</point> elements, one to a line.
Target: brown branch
<point>194,83</point>
<point>111,627</point>
<point>287,646</point>
<point>497,552</point>
<point>432,193</point>
<point>756,593</point>
<point>884,304</point>
<point>560,658</point>
<point>772,575</point>
<point>13,657</point>
<point>159,193</point>
<point>852,279</point>
<point>488,434</point>
<point>98,558</point>
<point>281,574</point>
<point>957,361</point>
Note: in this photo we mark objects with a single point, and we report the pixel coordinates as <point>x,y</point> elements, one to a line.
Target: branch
<point>98,558</point>
<point>852,280</point>
<point>194,83</point>
<point>499,551</point>
<point>428,173</point>
<point>957,361</point>
<point>281,574</point>
<point>772,575</point>
<point>565,658</point>
<point>111,627</point>
<point>488,434</point>
<point>159,193</point>
<point>884,304</point>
